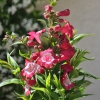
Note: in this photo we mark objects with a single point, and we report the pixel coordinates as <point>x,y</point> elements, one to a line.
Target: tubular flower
<point>46,58</point>
<point>48,8</point>
<point>30,43</point>
<point>66,54</point>
<point>31,69</point>
<point>57,28</point>
<point>35,35</point>
<point>65,12</point>
<point>46,16</point>
<point>68,30</point>
<point>27,90</point>
<point>65,81</point>
<point>67,68</point>
<point>34,55</point>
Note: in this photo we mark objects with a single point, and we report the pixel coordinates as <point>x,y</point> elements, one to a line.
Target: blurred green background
<point>20,17</point>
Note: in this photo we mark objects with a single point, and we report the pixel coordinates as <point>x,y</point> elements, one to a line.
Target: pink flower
<point>30,43</point>
<point>65,12</point>
<point>68,29</point>
<point>27,61</point>
<point>31,82</point>
<point>67,68</point>
<point>66,54</point>
<point>62,20</point>
<point>57,28</point>
<point>48,8</point>
<point>35,35</point>
<point>46,15</point>
<point>31,69</point>
<point>34,55</point>
<point>64,42</point>
<point>46,58</point>
<point>27,90</point>
<point>65,81</point>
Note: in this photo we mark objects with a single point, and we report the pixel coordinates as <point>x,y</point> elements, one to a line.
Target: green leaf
<point>23,97</point>
<point>86,83</point>
<point>82,73</point>
<point>15,67</point>
<point>74,74</point>
<point>5,64</point>
<point>54,96</point>
<point>82,83</point>
<point>18,42</point>
<point>76,95</point>
<point>10,81</point>
<point>44,41</point>
<point>78,37</point>
<point>53,3</point>
<point>13,36</point>
<point>79,57</point>
<point>43,90</point>
<point>40,78</point>
<point>48,81</point>
<point>43,22</point>
<point>15,71</point>
<point>26,55</point>
<point>56,82</point>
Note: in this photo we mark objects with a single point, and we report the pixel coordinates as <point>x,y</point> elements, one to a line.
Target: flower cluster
<point>51,61</point>
<point>46,58</point>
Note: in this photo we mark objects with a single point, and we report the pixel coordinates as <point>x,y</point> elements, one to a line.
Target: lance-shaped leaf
<point>13,63</point>
<point>48,81</point>
<point>74,74</point>
<point>76,95</point>
<point>18,42</point>
<point>82,73</point>
<point>40,79</point>
<point>25,55</point>
<point>44,41</point>
<point>43,22</point>
<point>79,57</point>
<point>5,64</point>
<point>23,97</point>
<point>43,90</point>
<point>78,37</point>
<point>10,81</point>
<point>82,83</point>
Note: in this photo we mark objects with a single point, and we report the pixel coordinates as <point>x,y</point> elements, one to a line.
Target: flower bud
<point>48,8</point>
<point>63,13</point>
<point>46,16</point>
<point>57,28</point>
<point>30,43</point>
<point>62,21</point>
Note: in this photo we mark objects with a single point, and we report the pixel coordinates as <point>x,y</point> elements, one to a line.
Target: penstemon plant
<point>51,69</point>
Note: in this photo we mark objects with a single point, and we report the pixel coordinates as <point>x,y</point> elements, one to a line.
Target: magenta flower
<point>30,43</point>
<point>31,69</point>
<point>66,54</point>
<point>35,35</point>
<point>48,8</point>
<point>57,28</point>
<point>46,15</point>
<point>65,81</point>
<point>65,12</point>
<point>46,58</point>
<point>67,67</point>
<point>68,29</point>
<point>34,55</point>
<point>27,90</point>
